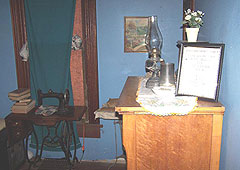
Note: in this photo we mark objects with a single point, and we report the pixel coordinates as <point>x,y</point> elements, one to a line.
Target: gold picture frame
<point>135,30</point>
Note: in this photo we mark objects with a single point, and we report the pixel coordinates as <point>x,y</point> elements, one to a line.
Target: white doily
<point>163,102</point>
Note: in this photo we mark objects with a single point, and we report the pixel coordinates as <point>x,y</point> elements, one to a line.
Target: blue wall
<point>221,24</point>
<point>7,60</point>
<point>114,65</point>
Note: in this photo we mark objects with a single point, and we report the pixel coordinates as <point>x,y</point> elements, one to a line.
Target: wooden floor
<point>60,164</point>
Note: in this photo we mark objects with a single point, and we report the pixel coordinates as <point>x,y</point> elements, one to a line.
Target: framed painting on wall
<point>135,30</point>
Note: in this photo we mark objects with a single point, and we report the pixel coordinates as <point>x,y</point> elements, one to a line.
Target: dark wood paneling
<point>89,130</point>
<point>19,38</point>
<point>90,56</point>
<point>188,4</point>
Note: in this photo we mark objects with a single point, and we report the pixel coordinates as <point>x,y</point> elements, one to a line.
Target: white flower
<point>193,19</point>
<point>198,19</point>
<point>194,14</point>
<point>188,17</point>
<point>188,11</point>
<point>200,12</point>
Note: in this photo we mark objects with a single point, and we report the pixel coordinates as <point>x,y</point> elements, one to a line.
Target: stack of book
<point>23,103</point>
<point>19,94</point>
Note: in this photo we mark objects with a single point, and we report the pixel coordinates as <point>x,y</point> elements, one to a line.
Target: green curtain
<point>49,25</point>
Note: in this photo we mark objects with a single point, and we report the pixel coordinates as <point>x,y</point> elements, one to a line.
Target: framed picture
<point>135,30</point>
<point>199,70</point>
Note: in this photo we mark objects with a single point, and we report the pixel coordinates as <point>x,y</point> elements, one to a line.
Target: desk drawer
<point>17,130</point>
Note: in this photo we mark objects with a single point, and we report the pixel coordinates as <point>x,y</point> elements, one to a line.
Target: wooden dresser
<point>190,142</point>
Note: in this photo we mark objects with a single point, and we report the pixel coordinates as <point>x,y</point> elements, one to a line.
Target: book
<point>19,92</point>
<point>23,102</point>
<point>18,98</point>
<point>23,109</point>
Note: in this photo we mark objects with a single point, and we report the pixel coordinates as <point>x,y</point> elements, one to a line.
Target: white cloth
<point>163,102</point>
<point>108,110</point>
<point>106,113</point>
<point>24,52</point>
<point>46,110</point>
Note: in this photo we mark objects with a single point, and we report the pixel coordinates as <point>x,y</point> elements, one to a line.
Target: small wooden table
<point>20,127</point>
<point>190,142</point>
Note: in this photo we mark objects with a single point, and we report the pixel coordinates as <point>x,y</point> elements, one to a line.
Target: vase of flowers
<point>192,21</point>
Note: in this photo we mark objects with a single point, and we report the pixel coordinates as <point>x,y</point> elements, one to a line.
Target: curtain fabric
<point>49,26</point>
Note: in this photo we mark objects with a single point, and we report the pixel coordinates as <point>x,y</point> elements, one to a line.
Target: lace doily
<point>163,102</point>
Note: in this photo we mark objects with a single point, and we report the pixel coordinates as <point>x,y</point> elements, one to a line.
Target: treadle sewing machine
<point>63,100</point>
<point>20,126</point>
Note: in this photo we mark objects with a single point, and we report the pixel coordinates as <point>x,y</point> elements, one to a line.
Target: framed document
<point>199,70</point>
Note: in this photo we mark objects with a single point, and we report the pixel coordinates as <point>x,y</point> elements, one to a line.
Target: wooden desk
<point>190,142</point>
<point>20,126</point>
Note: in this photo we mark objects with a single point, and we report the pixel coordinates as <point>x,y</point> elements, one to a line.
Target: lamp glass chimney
<point>154,38</point>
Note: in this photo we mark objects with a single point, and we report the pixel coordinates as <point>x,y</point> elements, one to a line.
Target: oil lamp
<point>153,41</point>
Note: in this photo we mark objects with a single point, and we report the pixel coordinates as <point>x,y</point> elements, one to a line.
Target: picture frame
<point>135,30</point>
<point>199,70</point>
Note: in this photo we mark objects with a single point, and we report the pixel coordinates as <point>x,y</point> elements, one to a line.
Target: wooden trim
<point>216,142</point>
<point>129,140</point>
<point>91,130</point>
<point>90,56</point>
<point>19,38</point>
